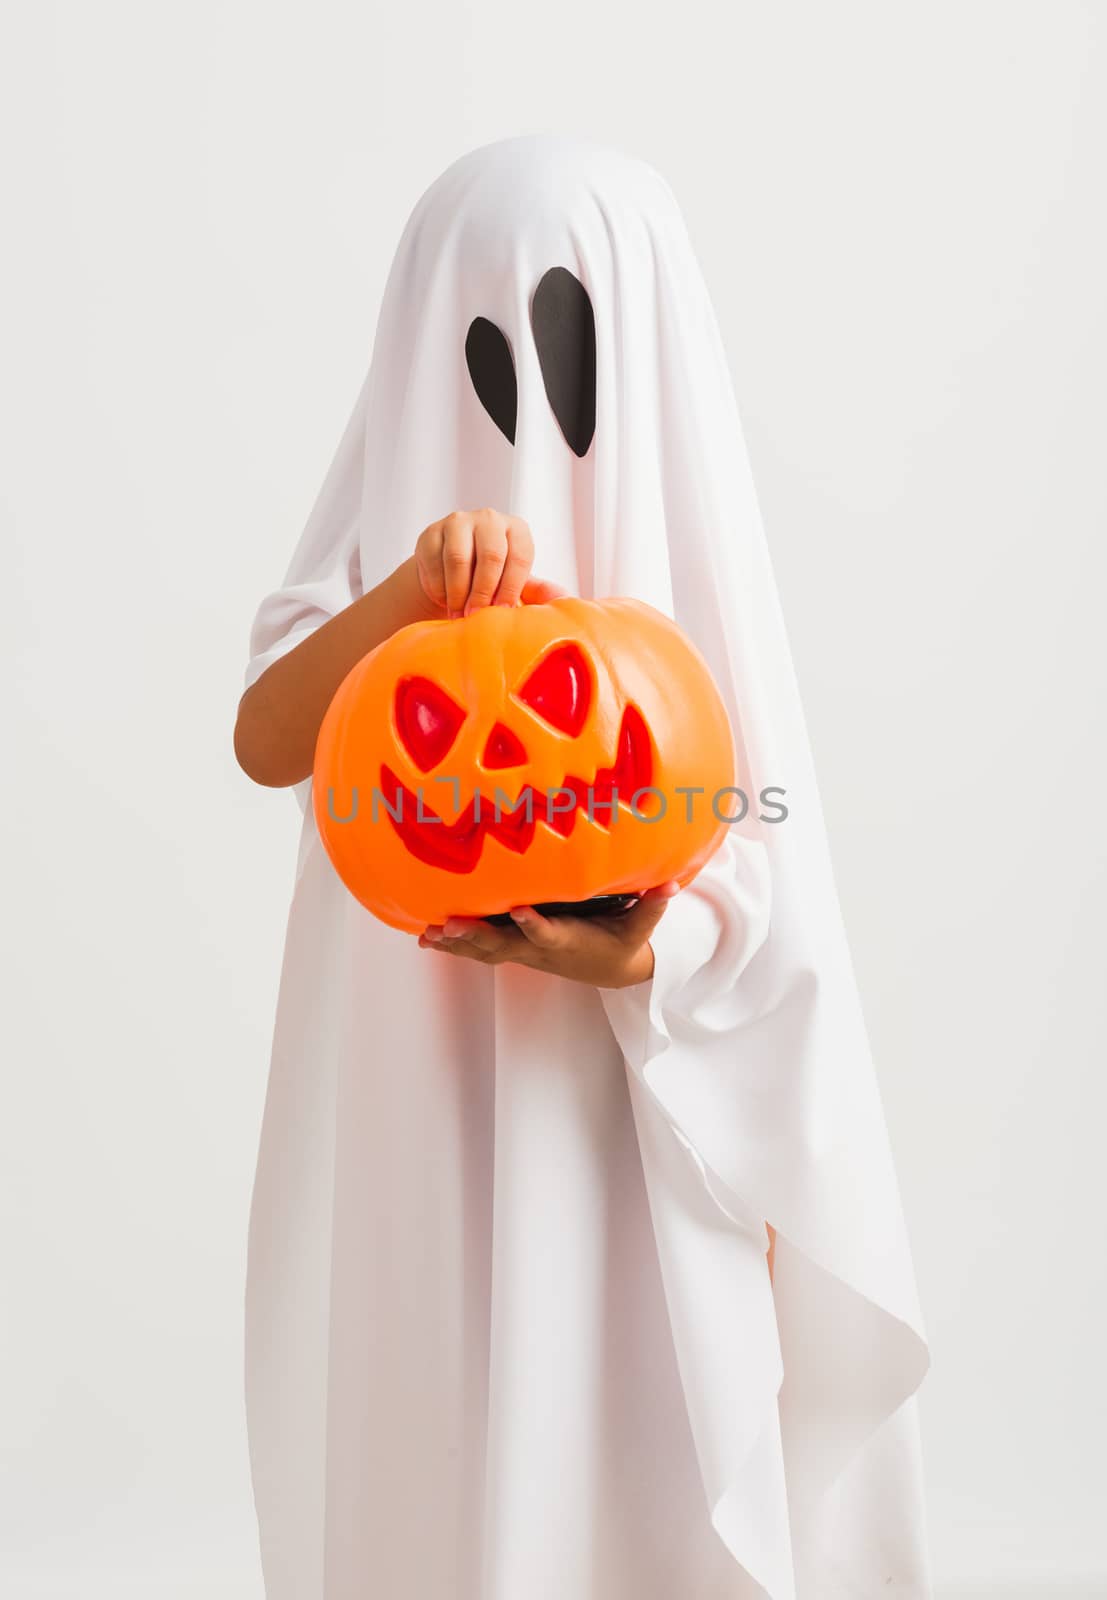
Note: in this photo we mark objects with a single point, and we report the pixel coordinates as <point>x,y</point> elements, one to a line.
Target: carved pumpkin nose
<point>504,749</point>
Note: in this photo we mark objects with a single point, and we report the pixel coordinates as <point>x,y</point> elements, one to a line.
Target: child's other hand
<point>480,558</point>
<point>610,952</point>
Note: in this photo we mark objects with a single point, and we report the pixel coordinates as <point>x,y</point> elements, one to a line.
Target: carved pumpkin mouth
<point>457,846</point>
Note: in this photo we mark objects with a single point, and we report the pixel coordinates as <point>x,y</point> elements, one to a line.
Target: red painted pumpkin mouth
<point>456,846</point>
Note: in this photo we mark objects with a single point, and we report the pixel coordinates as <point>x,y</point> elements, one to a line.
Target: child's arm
<point>279,715</point>
<point>466,560</point>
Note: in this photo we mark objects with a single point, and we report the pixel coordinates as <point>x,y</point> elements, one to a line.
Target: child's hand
<point>478,558</point>
<point>610,952</point>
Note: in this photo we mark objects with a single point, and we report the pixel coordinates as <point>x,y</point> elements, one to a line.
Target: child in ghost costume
<point>512,1327</point>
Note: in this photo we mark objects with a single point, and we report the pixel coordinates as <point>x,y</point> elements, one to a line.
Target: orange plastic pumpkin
<point>519,755</point>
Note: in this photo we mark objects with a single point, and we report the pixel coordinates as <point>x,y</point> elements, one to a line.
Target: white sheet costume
<point>510,1329</point>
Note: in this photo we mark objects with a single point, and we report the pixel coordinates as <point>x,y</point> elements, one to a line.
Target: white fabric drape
<point>510,1330</point>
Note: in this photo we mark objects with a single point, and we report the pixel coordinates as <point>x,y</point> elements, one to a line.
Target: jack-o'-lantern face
<point>518,755</point>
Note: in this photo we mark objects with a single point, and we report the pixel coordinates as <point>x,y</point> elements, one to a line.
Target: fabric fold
<point>848,1348</point>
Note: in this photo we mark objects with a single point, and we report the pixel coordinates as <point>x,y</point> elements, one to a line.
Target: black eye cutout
<point>564,328</point>
<point>488,357</point>
<point>565,333</point>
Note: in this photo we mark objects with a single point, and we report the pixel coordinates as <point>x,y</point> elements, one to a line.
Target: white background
<point>899,210</point>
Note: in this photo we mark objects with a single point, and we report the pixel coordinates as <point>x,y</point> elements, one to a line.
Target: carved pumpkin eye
<point>560,689</point>
<point>427,719</point>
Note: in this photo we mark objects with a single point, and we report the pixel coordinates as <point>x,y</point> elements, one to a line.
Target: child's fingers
<point>457,560</point>
<point>480,940</point>
<point>473,559</point>
<point>538,591</point>
<point>484,935</point>
<point>518,562</point>
<point>634,927</point>
<point>537,929</point>
<point>490,539</point>
<point>428,560</point>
